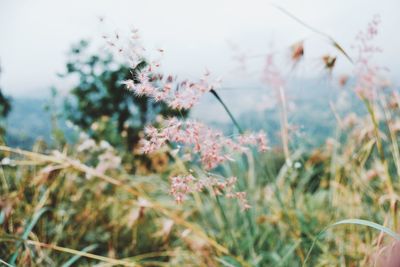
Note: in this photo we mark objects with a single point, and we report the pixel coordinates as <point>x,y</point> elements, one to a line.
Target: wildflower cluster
<point>213,149</point>
<point>178,95</point>
<point>181,186</point>
<point>368,75</point>
<point>149,82</point>
<point>212,146</point>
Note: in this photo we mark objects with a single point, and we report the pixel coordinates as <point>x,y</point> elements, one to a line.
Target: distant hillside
<point>27,122</point>
<point>309,109</point>
<point>308,101</point>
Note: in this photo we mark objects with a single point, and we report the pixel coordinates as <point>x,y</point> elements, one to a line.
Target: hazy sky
<point>36,34</point>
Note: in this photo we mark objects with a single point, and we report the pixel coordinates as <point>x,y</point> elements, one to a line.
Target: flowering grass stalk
<point>128,220</point>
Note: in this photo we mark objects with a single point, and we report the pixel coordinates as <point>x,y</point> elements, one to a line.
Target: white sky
<point>36,34</point>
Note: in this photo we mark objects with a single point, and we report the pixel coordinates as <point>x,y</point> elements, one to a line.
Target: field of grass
<point>80,204</point>
<point>57,208</point>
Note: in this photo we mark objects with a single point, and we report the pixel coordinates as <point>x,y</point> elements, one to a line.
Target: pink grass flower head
<point>209,146</point>
<point>178,95</point>
<point>271,74</point>
<point>183,185</point>
<point>368,75</point>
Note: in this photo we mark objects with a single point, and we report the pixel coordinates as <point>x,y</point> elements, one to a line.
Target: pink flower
<point>185,95</point>
<point>211,146</point>
<point>368,75</point>
<point>183,185</point>
<point>271,74</point>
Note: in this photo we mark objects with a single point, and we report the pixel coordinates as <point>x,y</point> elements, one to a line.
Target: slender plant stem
<point>376,130</point>
<point>388,178</point>
<point>284,124</point>
<point>212,91</point>
<point>277,192</point>
<point>227,224</point>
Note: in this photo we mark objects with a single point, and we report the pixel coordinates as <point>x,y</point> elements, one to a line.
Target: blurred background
<point>228,38</point>
<point>319,77</point>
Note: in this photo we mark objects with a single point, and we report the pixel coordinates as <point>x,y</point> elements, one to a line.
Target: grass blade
<point>28,229</point>
<point>327,36</point>
<point>370,224</point>
<point>6,264</point>
<point>77,256</point>
<point>73,251</point>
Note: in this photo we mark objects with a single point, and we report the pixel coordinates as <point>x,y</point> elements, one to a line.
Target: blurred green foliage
<point>100,104</point>
<point>5,107</point>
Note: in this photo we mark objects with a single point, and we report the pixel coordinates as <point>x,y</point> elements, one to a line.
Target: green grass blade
<point>33,222</point>
<point>369,224</point>
<point>356,222</point>
<point>28,229</point>
<point>289,253</point>
<point>71,261</point>
<point>6,264</point>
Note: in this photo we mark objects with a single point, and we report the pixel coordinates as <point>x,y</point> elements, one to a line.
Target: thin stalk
<point>277,192</point>
<point>396,158</point>
<point>388,178</point>
<point>376,129</point>
<point>328,37</point>
<point>212,91</point>
<point>284,124</point>
<point>226,221</point>
<point>393,138</point>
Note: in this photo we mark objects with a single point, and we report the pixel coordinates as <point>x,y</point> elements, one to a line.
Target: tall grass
<point>58,209</point>
<point>52,212</point>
